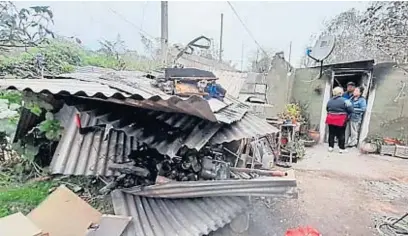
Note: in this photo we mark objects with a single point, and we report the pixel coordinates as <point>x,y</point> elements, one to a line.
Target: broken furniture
<point>287,144</point>
<point>255,153</point>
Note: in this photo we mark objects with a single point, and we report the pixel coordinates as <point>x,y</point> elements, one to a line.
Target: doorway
<point>341,78</point>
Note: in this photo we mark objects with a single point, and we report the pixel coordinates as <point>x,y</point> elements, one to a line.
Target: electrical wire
<point>140,29</point>
<point>129,22</point>
<point>246,28</point>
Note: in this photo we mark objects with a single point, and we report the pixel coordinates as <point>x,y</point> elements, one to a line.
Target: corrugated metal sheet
<point>133,84</point>
<point>262,186</point>
<point>186,130</point>
<point>249,126</point>
<point>231,81</point>
<point>62,86</point>
<point>239,226</point>
<point>232,113</point>
<point>184,217</point>
<point>101,70</point>
<point>88,154</point>
<point>123,87</point>
<point>26,122</point>
<point>90,85</point>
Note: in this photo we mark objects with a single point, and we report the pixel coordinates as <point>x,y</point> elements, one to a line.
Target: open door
<point>341,78</point>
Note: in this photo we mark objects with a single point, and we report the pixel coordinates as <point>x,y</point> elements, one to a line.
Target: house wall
<point>389,115</point>
<point>303,91</point>
<point>278,86</point>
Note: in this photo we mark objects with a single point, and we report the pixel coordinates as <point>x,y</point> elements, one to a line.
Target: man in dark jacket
<point>338,110</point>
<point>350,89</point>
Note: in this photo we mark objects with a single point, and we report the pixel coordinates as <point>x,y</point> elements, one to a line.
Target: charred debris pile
<point>181,126</point>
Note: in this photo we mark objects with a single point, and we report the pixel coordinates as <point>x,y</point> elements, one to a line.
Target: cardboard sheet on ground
<point>18,225</point>
<point>63,213</point>
<point>111,225</point>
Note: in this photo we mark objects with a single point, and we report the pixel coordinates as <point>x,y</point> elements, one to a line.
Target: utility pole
<point>164,31</point>
<point>221,33</point>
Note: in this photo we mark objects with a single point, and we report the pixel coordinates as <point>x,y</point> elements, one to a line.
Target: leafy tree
<point>379,32</point>
<point>385,26</point>
<point>23,27</point>
<point>113,50</point>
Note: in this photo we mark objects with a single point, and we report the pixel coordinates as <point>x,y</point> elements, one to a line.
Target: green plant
<point>377,140</point>
<point>50,127</point>
<point>11,96</point>
<point>291,112</point>
<point>34,108</point>
<point>26,167</point>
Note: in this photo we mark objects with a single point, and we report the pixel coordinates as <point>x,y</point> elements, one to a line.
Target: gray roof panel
<point>184,217</point>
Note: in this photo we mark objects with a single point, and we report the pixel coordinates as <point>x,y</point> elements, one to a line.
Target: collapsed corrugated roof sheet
<point>26,122</point>
<point>88,154</point>
<point>231,81</point>
<point>123,87</point>
<point>262,186</point>
<point>91,153</point>
<point>184,217</point>
<point>250,126</point>
<point>90,85</point>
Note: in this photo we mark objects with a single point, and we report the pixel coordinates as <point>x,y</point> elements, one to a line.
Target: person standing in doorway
<point>350,89</point>
<point>338,110</point>
<point>359,107</point>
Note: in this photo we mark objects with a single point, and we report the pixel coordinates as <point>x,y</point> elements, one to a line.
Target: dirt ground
<point>339,194</point>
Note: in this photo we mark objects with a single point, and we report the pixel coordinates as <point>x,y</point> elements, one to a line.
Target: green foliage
<point>34,108</point>
<point>11,96</point>
<point>51,129</point>
<point>95,59</point>
<point>60,56</point>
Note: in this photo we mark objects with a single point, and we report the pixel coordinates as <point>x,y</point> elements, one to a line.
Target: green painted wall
<point>303,91</point>
<point>389,116</point>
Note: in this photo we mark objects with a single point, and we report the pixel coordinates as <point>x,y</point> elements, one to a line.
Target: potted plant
<point>291,114</point>
<point>371,144</point>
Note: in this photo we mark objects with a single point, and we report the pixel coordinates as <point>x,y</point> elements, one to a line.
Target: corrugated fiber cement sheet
<point>183,217</point>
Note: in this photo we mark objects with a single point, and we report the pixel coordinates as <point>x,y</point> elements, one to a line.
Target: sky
<point>274,25</point>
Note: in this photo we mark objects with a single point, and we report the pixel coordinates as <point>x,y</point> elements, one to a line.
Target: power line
<point>129,22</point>
<point>246,28</point>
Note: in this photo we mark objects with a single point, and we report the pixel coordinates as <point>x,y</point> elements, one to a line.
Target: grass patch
<point>16,196</point>
<point>22,197</point>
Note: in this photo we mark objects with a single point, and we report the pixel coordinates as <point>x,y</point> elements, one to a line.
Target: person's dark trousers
<point>339,132</point>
